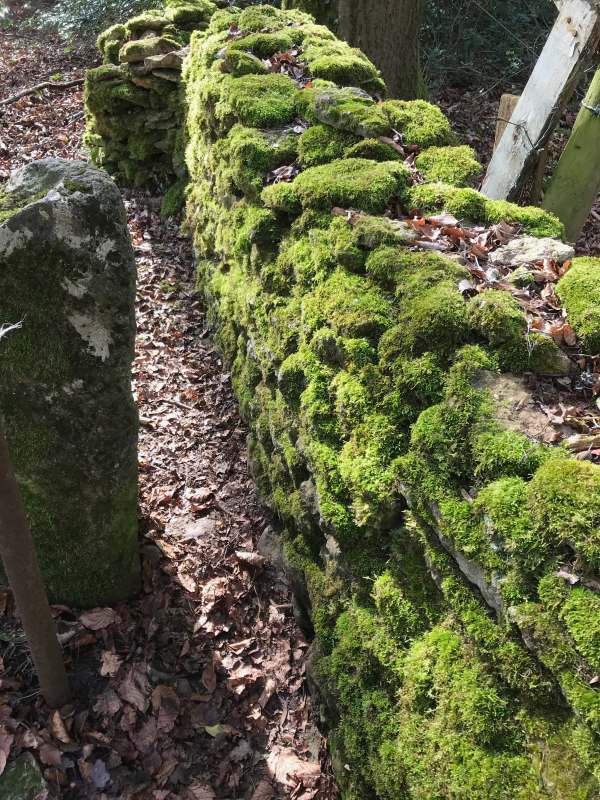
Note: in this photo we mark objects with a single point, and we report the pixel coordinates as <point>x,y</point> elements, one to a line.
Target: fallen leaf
<point>57,728</point>
<point>110,664</point>
<point>6,740</point>
<point>98,618</point>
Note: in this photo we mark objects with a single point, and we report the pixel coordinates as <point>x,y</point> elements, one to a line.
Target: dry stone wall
<point>67,272</point>
<point>446,553</point>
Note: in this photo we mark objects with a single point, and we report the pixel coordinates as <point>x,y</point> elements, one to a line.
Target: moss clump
<point>257,101</point>
<point>497,316</point>
<point>431,198</point>
<point>263,45</point>
<point>174,200</point>
<point>139,49</point>
<point>505,453</point>
<point>579,292</point>
<point>455,165</point>
<point>281,196</point>
<point>564,496</point>
<point>348,306</point>
<point>535,221</point>
<point>334,61</point>
<point>238,63</point>
<point>419,123</point>
<point>349,109</point>
<point>321,144</point>
<point>353,183</point>
<point>373,149</point>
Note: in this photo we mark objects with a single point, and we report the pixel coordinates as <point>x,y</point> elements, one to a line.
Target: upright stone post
<point>67,272</point>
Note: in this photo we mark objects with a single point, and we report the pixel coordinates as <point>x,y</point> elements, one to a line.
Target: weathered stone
<point>67,271</point>
<point>515,408</point>
<point>140,49</point>
<point>172,60</point>
<point>528,250</point>
<point>168,75</point>
<point>23,780</point>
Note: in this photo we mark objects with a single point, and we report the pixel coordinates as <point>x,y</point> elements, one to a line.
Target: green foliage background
<point>470,43</point>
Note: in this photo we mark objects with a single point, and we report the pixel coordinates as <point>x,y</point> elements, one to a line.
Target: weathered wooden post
<point>576,181</point>
<point>67,269</point>
<point>574,36</point>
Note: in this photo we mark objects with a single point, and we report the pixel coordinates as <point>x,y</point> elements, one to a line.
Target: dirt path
<point>196,689</point>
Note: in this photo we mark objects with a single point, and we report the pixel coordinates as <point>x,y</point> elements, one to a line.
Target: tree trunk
<point>576,181</point>
<point>388,32</point>
<point>24,577</point>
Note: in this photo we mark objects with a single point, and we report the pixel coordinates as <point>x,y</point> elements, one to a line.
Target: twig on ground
<point>38,87</point>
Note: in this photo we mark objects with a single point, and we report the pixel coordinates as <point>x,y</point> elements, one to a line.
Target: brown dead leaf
<point>199,791</point>
<point>209,676</point>
<point>166,702</point>
<point>98,618</point>
<point>110,664</point>
<point>58,729</point>
<point>134,689</point>
<point>287,768</point>
<point>107,704</point>
<point>50,755</point>
<point>6,740</point>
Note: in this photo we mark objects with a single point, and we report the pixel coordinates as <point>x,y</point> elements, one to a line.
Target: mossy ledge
<point>452,659</point>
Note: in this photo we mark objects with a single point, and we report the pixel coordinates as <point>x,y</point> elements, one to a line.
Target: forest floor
<point>196,689</point>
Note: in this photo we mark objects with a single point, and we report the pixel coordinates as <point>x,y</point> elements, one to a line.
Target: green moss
<point>581,616</point>
<point>535,221</point>
<point>333,60</point>
<point>373,149</point>
<point>320,144</point>
<point>431,198</point>
<point>564,497</point>
<point>174,200</point>
<point>455,165</point>
<point>258,101</point>
<point>502,453</point>
<point>351,183</point>
<point>434,320</point>
<point>579,292</point>
<point>281,196</point>
<point>139,49</point>
<point>263,45</point>
<point>348,306</point>
<point>238,62</point>
<point>419,123</point>
<point>368,470</point>
<point>348,109</point>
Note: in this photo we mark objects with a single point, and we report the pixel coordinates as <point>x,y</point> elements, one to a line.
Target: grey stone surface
<point>529,249</point>
<point>67,271</point>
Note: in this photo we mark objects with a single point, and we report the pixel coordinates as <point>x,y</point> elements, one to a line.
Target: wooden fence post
<point>576,180</point>
<point>574,35</point>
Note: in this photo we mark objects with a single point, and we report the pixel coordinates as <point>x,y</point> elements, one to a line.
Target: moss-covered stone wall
<point>133,105</point>
<point>449,557</point>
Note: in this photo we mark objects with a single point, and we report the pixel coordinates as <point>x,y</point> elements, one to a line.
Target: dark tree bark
<point>24,577</point>
<point>388,32</point>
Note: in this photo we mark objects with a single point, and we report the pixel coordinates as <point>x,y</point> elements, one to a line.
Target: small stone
<point>529,249</point>
<point>23,780</point>
<point>172,60</point>
<point>168,75</point>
